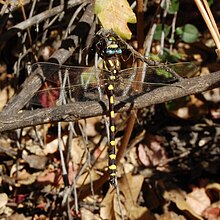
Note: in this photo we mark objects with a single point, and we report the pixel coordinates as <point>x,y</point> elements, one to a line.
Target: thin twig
<point>208,22</point>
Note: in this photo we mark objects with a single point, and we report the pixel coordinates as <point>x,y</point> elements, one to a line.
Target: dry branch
<point>37,19</point>
<point>69,45</point>
<point>79,110</point>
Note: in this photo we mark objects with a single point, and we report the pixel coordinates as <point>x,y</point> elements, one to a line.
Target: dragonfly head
<point>108,46</point>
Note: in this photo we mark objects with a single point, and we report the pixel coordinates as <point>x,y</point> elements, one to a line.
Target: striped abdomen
<point>113,65</point>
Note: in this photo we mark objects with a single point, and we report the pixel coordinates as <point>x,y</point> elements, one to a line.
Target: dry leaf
<point>188,107</point>
<point>107,208</point>
<point>130,187</point>
<point>171,216</point>
<point>86,177</point>
<point>78,151</point>
<point>178,197</point>
<point>25,178</point>
<point>36,162</point>
<point>88,215</point>
<point>17,216</point>
<point>12,2</point>
<point>89,125</point>
<point>5,94</point>
<point>51,176</point>
<point>198,200</point>
<point>3,201</point>
<point>213,212</point>
<point>215,186</point>
<point>51,147</point>
<point>115,14</point>
<point>152,153</point>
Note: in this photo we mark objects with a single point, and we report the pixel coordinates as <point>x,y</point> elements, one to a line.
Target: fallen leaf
<point>89,125</point>
<point>78,148</point>
<point>188,107</point>
<point>17,216</point>
<point>107,205</point>
<point>212,212</point>
<point>151,152</point>
<point>171,216</point>
<point>198,200</point>
<point>52,146</point>
<point>87,214</point>
<point>215,186</point>
<point>53,177</point>
<point>26,178</point>
<point>3,199</point>
<point>178,197</point>
<point>3,202</point>
<point>7,92</point>
<point>130,187</point>
<point>35,161</point>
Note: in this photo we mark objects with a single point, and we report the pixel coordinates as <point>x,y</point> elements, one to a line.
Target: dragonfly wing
<point>66,84</point>
<point>184,69</point>
<point>142,80</point>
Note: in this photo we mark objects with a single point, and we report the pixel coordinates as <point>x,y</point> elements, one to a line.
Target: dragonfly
<point>68,84</point>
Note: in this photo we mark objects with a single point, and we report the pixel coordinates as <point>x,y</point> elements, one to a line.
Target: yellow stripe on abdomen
<point>112,167</point>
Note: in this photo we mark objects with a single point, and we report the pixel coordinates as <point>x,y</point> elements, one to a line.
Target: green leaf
<point>185,69</point>
<point>179,31</point>
<point>164,73</point>
<point>188,33</point>
<point>167,56</point>
<point>154,57</point>
<point>158,31</point>
<point>173,7</point>
<point>115,14</point>
<point>171,41</point>
<point>210,2</point>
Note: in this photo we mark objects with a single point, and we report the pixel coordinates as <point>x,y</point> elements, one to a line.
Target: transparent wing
<point>142,80</point>
<point>66,84</point>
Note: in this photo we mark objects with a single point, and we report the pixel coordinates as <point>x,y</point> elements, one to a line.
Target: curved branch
<point>34,82</point>
<point>81,110</point>
<point>37,19</point>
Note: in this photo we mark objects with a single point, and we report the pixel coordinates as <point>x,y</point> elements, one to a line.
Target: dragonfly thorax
<point>113,65</point>
<point>108,46</point>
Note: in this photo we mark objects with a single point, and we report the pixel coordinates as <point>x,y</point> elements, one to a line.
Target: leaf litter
<point>145,174</point>
<point>170,169</point>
